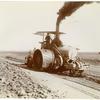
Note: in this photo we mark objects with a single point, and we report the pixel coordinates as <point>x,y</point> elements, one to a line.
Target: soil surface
<point>18,81</point>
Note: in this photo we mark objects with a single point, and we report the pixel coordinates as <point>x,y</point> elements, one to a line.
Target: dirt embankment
<point>15,83</point>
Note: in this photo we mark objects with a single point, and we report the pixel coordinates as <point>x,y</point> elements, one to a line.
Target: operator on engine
<point>48,41</point>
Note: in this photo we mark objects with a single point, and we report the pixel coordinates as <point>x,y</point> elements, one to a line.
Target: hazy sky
<point>18,20</point>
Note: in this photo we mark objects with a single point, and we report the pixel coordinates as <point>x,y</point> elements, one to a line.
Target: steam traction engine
<point>54,57</point>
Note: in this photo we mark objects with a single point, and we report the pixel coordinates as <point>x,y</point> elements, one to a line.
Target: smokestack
<point>67,10</point>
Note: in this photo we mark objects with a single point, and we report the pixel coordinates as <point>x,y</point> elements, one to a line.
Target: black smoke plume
<point>67,10</point>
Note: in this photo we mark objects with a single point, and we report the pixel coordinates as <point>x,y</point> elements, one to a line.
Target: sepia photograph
<point>50,49</point>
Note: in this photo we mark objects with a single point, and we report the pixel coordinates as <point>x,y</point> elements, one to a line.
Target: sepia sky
<point>18,20</point>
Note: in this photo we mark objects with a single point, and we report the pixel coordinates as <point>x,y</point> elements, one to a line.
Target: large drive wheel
<point>38,60</point>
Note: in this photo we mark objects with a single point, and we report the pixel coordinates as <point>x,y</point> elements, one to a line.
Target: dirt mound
<point>15,83</point>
